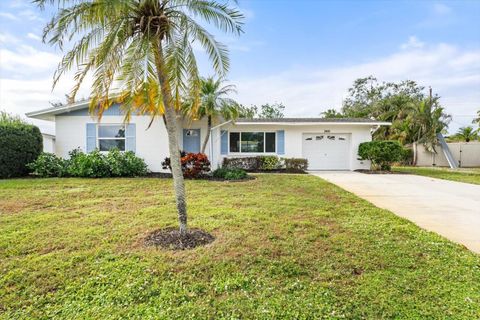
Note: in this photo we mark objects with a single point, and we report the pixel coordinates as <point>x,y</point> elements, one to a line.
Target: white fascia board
<point>315,123</point>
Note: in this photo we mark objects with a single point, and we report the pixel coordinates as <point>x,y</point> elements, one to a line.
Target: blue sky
<point>302,53</point>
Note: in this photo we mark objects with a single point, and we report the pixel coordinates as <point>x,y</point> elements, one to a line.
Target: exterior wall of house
<point>294,139</point>
<point>48,143</point>
<point>466,155</point>
<point>151,144</point>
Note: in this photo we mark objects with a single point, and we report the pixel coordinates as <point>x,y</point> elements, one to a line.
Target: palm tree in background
<point>466,134</point>
<point>214,103</point>
<point>141,50</point>
<point>477,120</point>
<point>426,120</point>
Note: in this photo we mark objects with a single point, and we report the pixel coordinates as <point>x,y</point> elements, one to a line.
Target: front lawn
<point>468,175</point>
<point>287,246</point>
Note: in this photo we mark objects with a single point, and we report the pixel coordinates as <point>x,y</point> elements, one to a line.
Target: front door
<point>191,140</point>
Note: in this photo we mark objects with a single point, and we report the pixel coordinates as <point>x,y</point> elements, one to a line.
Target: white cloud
<point>412,43</point>
<point>8,15</point>
<point>33,36</point>
<point>441,9</point>
<point>453,73</point>
<point>27,61</point>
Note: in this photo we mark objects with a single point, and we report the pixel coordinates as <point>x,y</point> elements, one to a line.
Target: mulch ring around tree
<point>170,238</point>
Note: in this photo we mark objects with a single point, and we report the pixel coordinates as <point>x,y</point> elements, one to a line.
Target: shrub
<point>194,165</point>
<point>230,174</point>
<point>125,164</point>
<point>20,144</point>
<point>245,163</point>
<point>269,162</point>
<point>296,164</point>
<point>381,153</point>
<point>407,158</point>
<point>48,165</point>
<point>113,164</point>
<point>88,165</point>
<point>266,163</point>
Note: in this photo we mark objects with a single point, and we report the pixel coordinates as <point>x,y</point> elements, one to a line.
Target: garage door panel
<point>326,151</point>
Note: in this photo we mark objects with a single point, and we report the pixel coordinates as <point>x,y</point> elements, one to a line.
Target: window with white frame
<point>252,142</point>
<point>111,136</point>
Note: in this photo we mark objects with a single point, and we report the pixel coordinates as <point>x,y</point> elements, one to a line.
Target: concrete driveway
<point>451,209</point>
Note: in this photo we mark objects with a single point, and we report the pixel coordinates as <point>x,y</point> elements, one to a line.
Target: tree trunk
<point>170,119</point>
<point>209,128</point>
<point>415,154</point>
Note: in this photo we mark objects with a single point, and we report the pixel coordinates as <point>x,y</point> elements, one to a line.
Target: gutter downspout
<point>211,136</point>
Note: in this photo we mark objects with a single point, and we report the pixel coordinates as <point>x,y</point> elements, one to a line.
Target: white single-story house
<point>328,144</point>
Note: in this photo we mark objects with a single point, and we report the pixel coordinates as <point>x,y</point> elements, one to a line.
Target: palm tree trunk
<point>170,119</point>
<point>415,154</point>
<point>209,128</point>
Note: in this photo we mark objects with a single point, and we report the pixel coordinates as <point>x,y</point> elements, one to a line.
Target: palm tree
<point>477,120</point>
<point>214,103</point>
<point>426,120</point>
<point>466,134</point>
<point>142,51</point>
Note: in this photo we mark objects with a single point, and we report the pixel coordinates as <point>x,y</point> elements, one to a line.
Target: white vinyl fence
<point>467,154</point>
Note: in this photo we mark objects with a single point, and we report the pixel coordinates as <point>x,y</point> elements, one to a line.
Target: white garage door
<point>327,151</point>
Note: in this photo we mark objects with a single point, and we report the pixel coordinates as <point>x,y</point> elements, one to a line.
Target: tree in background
<point>415,116</point>
<point>271,111</point>
<point>143,51</point>
<point>426,120</point>
<point>367,96</point>
<point>214,102</point>
<point>332,114</point>
<point>10,119</point>
<point>477,120</point>
<point>466,134</point>
<point>266,111</point>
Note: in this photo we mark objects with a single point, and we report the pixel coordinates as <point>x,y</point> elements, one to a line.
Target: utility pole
<point>430,95</point>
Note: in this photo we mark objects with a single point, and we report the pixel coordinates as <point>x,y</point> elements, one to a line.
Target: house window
<point>111,136</point>
<point>252,142</point>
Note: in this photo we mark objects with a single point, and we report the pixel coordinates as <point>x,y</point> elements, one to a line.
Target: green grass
<point>468,175</point>
<point>287,246</point>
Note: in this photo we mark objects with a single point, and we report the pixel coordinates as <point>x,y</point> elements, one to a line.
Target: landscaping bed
<point>286,247</point>
<point>366,171</point>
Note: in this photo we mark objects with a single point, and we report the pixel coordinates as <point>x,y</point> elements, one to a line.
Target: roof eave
<point>50,113</point>
<point>315,123</point>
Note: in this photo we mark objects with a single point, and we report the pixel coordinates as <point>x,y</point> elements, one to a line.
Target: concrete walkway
<point>451,209</point>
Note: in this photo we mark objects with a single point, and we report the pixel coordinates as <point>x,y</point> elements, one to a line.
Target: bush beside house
<point>89,165</point>
<point>20,144</point>
<point>194,165</point>
<point>267,163</point>
<point>382,154</point>
<point>230,174</point>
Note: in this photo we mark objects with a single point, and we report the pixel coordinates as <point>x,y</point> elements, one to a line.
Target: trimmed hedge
<point>296,164</point>
<point>230,174</point>
<point>266,163</point>
<point>382,154</point>
<point>20,144</point>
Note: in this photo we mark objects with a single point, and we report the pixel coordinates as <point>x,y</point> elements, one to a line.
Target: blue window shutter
<point>91,137</point>
<point>130,143</point>
<point>281,142</point>
<point>224,142</point>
